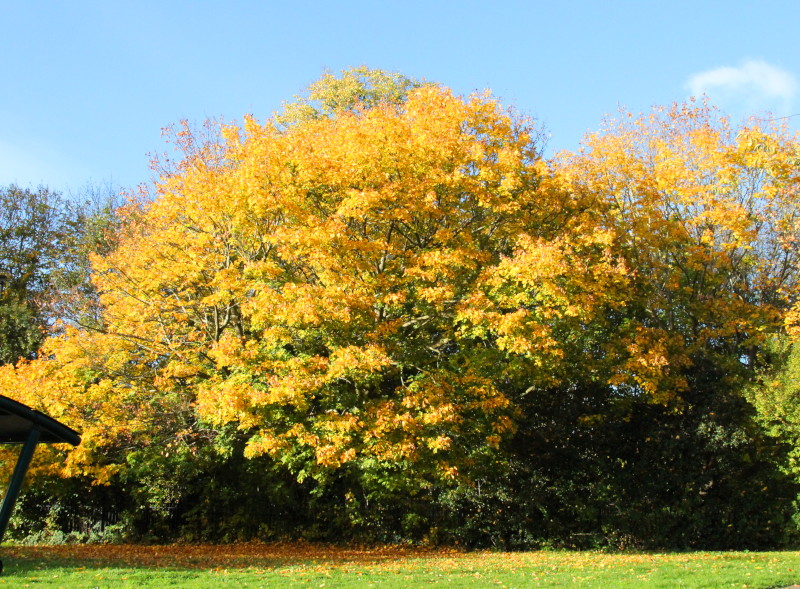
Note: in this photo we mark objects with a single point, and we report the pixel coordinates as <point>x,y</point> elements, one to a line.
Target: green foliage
<point>69,511</point>
<point>33,227</point>
<point>25,217</point>
<point>641,477</point>
<point>21,332</point>
<point>776,398</point>
<point>45,244</point>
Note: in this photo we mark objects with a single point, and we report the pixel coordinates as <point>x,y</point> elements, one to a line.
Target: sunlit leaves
<point>703,217</point>
<point>375,284</point>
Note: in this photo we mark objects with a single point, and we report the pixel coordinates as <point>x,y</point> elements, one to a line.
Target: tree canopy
<point>386,295</point>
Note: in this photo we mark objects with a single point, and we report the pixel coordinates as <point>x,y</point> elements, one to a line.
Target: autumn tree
<point>312,294</point>
<point>360,295</point>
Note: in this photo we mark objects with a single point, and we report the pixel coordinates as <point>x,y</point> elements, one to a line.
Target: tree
<point>32,231</point>
<point>45,243</point>
<point>776,396</point>
<point>338,290</point>
<point>94,218</point>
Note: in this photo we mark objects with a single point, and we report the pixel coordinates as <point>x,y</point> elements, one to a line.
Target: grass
<point>307,565</point>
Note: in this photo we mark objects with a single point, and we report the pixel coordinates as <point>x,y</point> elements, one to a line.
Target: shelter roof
<point>17,420</point>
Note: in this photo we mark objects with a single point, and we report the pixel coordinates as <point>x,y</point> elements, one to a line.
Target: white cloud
<point>752,87</point>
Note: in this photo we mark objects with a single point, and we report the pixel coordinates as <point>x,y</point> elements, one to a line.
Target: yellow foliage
<point>701,220</point>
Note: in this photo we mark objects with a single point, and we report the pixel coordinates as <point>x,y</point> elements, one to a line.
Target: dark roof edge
<point>44,422</point>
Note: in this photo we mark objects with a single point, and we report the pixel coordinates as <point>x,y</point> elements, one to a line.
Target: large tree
<point>361,295</point>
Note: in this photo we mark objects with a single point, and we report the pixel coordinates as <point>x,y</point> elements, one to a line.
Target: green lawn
<point>302,565</point>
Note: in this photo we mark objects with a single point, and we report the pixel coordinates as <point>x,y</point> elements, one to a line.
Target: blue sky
<point>88,85</point>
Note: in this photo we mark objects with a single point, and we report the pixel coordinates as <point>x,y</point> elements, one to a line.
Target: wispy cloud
<point>752,87</point>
